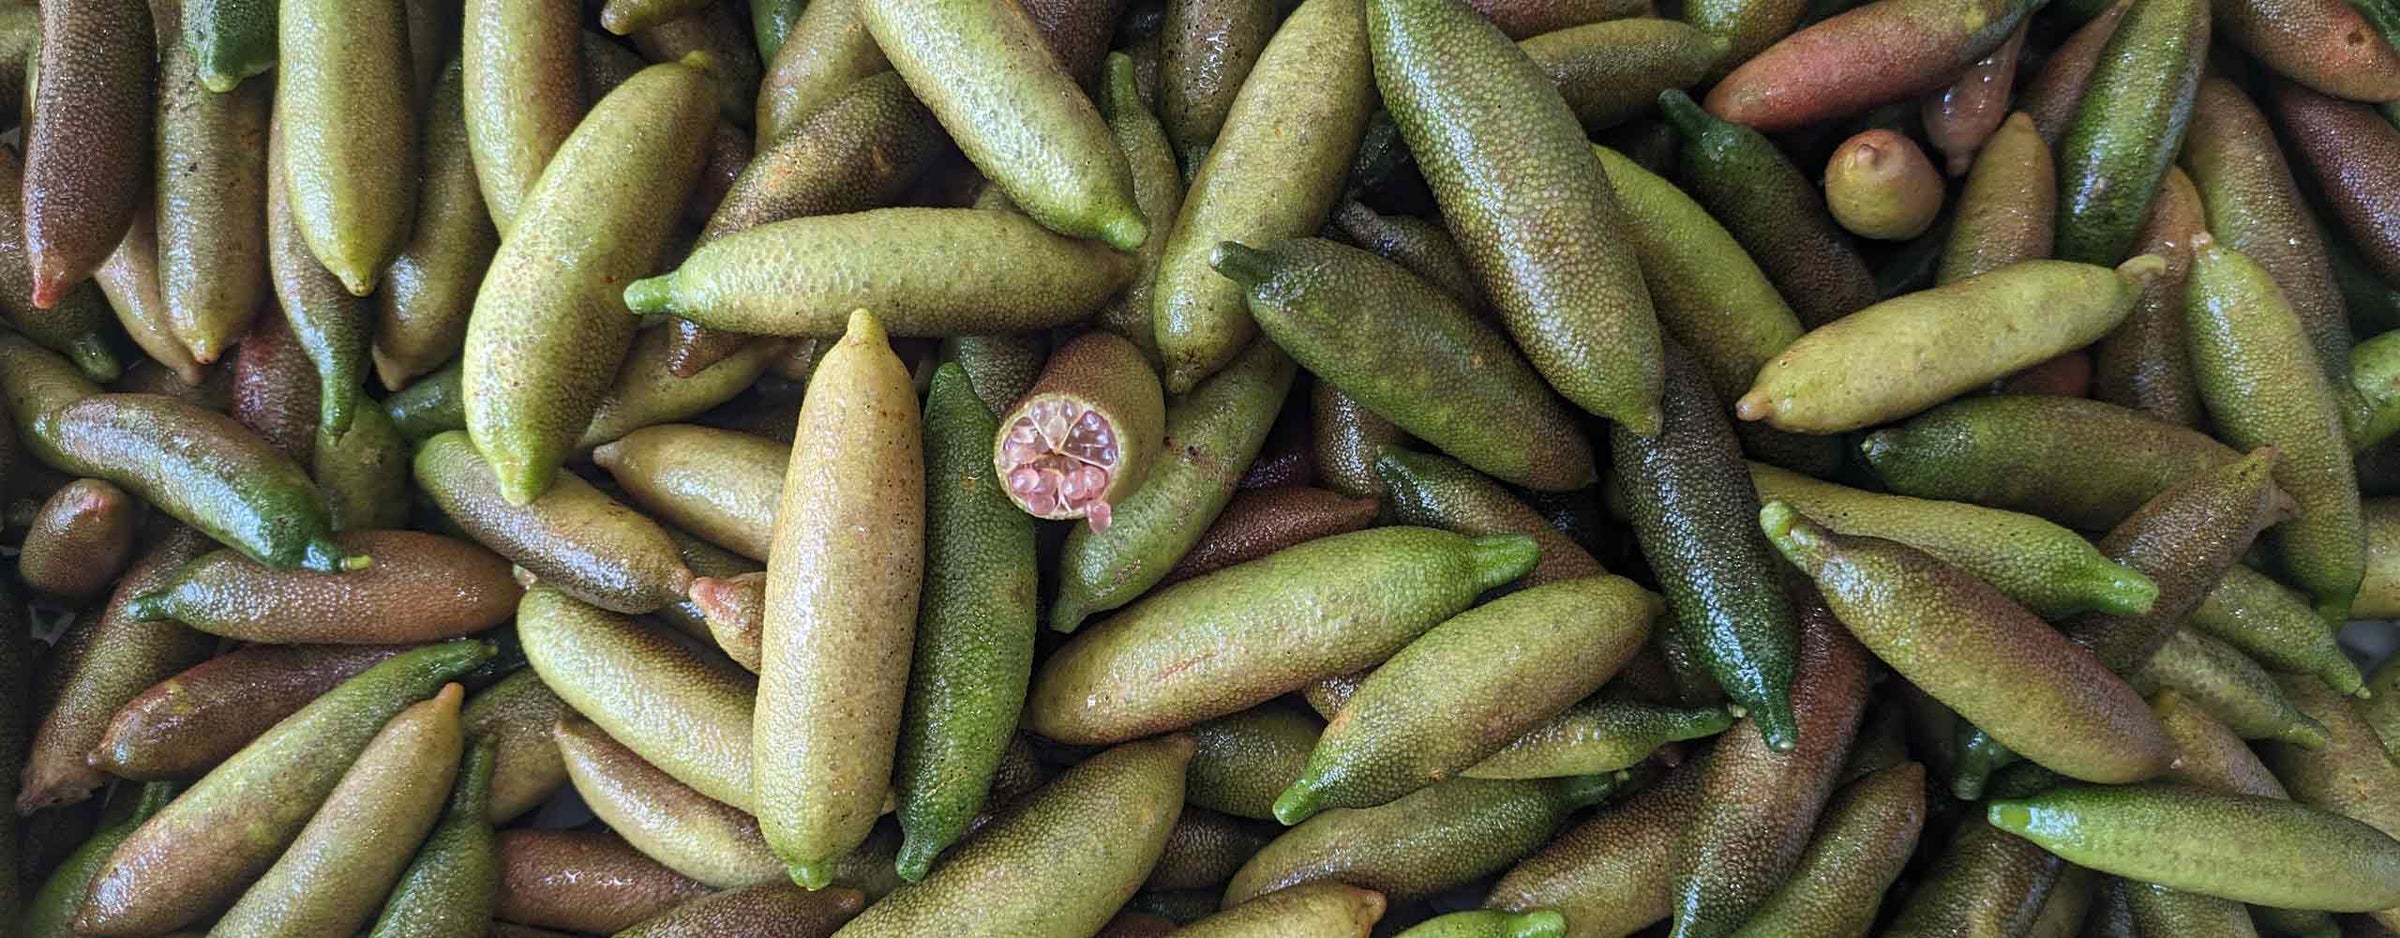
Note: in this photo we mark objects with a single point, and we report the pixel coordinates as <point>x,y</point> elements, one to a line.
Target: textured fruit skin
<point>1241,761</point>
<point>522,81</point>
<point>574,539</point>
<point>1773,210</point>
<point>429,289</point>
<point>1439,492</point>
<point>827,50</point>
<point>1205,848</point>
<point>2006,212</point>
<point>1258,522</point>
<point>1611,875</point>
<point>2127,126</point>
<point>2270,623</point>
<point>732,67</point>
<point>2051,571</point>
<point>582,881</point>
<point>1212,435</point>
<point>99,668</point>
<point>1444,835</point>
<point>842,593</point>
<point>647,391</point>
<point>229,40</point>
<point>1206,51</point>
<point>1612,71</point>
<point>330,324</point>
<point>857,152</point>
<point>1001,368</point>
<point>975,628</point>
<point>198,853</point>
<point>1274,172</point>
<point>688,715</point>
<point>349,131</point>
<point>1759,802</point>
<point>1421,246</point>
<point>1747,27</point>
<point>1347,439</point>
<point>1405,350</point>
<point>2032,454</point>
<point>1060,863</point>
<point>1103,373</point>
<point>1850,374</point>
<point>1599,736</point>
<point>1864,837</point>
<point>1960,117</point>
<point>549,327</point>
<point>2146,365</point>
<point>448,889</point>
<point>666,820</point>
<point>1158,190</point>
<point>1238,637</point>
<point>517,714</point>
<point>422,587</point>
<point>1310,910</point>
<point>369,827</point>
<point>2183,540</point>
<point>275,390</point>
<point>2251,358</point>
<point>2158,910</point>
<point>129,280</point>
<point>1490,923</point>
<point>2243,847</point>
<point>1880,185</point>
<point>50,909</point>
<point>719,484</point>
<point>78,540</point>
<point>2379,592</point>
<point>206,470</point>
<point>1524,196</point>
<point>2341,143</point>
<point>1709,295</point>
<point>1984,882</point>
<point>75,324</point>
<point>1467,687</point>
<point>2327,46</point>
<point>2030,687</point>
<point>2352,774</point>
<point>87,137</point>
<point>2254,206</point>
<point>199,716</point>
<point>2210,755</point>
<point>364,474</point>
<point>987,73</point>
<point>211,175</point>
<point>772,910</point>
<point>2230,687</point>
<point>1870,55</point>
<point>925,272</point>
<point>1522,18</point>
<point>1687,498</point>
<point>2057,87</point>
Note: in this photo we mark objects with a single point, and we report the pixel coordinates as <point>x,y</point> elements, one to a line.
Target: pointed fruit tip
<point>1298,803</point>
<point>651,294</point>
<point>1754,405</point>
<point>811,876</point>
<point>915,859</point>
<point>1241,263</point>
<point>1125,232</point>
<point>1539,923</point>
<point>2011,816</point>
